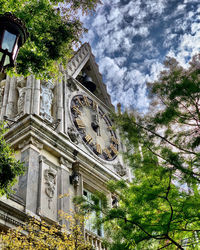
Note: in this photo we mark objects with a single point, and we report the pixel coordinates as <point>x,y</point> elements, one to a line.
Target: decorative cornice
<point>10,220</point>
<point>31,141</point>
<point>58,143</point>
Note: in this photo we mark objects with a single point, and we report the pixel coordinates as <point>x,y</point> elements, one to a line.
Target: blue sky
<point>131,38</point>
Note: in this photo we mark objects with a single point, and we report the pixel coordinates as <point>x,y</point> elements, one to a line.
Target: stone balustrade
<point>95,240</point>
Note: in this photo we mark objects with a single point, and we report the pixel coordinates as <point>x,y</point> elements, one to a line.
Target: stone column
<point>59,97</point>
<point>28,183</point>
<point>68,86</point>
<point>65,204</point>
<point>36,97</point>
<point>11,104</point>
<point>27,103</point>
<point>5,97</point>
<point>32,187</point>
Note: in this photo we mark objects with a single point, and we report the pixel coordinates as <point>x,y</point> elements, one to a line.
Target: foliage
<point>54,28</point>
<point>39,235</point>
<point>160,207</point>
<point>10,168</point>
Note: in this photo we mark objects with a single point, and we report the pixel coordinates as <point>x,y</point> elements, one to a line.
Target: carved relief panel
<point>48,190</point>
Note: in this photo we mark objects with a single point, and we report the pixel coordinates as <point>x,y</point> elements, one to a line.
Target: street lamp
<point>13,34</point>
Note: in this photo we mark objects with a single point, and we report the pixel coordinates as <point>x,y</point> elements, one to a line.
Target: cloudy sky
<point>131,38</point>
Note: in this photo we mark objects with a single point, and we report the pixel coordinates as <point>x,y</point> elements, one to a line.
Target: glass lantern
<point>13,35</point>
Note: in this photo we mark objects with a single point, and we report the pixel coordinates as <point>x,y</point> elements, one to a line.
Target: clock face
<point>94,127</point>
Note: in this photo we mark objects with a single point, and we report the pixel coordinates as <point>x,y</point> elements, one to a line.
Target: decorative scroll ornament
<point>46,100</point>
<point>120,170</point>
<point>50,181</point>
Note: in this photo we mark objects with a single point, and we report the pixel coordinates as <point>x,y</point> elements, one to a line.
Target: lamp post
<point>13,34</point>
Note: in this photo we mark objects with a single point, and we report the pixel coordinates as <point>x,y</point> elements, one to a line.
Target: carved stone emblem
<point>73,135</point>
<point>50,181</point>
<point>46,99</point>
<point>120,170</point>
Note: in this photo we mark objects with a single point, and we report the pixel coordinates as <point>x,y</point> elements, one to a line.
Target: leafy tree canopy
<point>160,207</point>
<point>10,168</point>
<point>54,28</point>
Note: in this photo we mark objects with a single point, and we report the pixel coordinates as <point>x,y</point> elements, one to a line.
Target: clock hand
<point>98,130</point>
<point>95,123</point>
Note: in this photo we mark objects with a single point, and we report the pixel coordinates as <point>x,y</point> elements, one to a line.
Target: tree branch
<point>164,139</point>
<point>175,243</point>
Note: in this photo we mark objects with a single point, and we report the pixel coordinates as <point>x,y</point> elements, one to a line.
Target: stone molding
<point>31,141</point>
<point>10,220</point>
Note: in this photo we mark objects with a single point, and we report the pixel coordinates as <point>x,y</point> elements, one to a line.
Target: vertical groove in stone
<point>65,102</point>
<point>5,97</point>
<point>27,103</point>
<point>36,97</point>
<point>59,101</point>
<point>11,98</point>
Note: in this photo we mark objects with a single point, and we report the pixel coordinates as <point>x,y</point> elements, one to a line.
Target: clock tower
<point>63,133</point>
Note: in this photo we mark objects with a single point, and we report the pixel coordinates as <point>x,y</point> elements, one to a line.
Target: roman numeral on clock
<point>88,139</point>
<point>114,140</point>
<point>86,101</point>
<point>98,148</point>
<point>107,152</point>
<point>80,123</point>
<point>75,109</point>
<point>79,101</point>
<point>113,149</point>
<point>94,105</point>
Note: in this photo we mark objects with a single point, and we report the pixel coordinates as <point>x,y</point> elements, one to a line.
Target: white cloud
<point>131,40</point>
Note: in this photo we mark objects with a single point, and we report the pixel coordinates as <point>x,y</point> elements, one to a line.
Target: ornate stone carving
<point>32,141</point>
<point>46,99</point>
<point>120,170</point>
<point>73,135</point>
<point>21,87</point>
<point>71,85</point>
<point>65,162</point>
<point>50,182</point>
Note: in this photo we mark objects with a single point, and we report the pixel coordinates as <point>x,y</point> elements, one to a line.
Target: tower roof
<point>84,61</point>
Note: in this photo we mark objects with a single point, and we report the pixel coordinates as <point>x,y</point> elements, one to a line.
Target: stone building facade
<point>62,132</point>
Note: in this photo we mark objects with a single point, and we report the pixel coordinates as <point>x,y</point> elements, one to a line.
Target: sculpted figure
<point>46,99</point>
<point>21,83</point>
